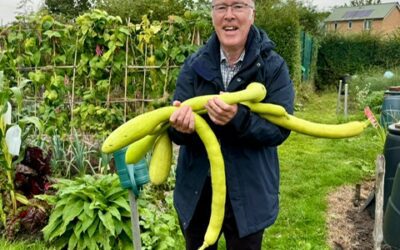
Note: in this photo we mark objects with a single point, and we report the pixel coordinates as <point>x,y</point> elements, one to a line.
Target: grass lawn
<point>310,169</point>
<point>22,245</point>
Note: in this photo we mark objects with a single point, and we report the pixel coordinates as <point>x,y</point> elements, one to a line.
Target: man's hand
<point>182,119</point>
<point>220,112</point>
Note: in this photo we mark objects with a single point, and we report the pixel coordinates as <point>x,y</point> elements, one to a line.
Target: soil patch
<point>350,227</point>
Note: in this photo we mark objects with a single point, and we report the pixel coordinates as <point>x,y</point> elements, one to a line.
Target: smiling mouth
<point>230,28</point>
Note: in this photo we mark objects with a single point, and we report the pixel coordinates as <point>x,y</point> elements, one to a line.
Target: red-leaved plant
<point>31,178</point>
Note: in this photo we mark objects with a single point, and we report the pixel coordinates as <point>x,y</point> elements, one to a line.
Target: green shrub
<point>373,99</point>
<point>159,222</point>
<point>90,212</point>
<point>367,88</point>
<point>281,22</point>
<point>93,212</point>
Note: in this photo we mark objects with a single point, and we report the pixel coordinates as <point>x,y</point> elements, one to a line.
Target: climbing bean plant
<point>98,70</point>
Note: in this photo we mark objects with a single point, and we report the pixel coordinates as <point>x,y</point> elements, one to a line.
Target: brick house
<point>381,18</point>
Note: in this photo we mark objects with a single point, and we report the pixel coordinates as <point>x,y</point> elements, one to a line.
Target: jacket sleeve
<point>250,127</point>
<point>184,90</point>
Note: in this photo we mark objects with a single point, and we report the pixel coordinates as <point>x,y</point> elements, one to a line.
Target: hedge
<point>346,55</point>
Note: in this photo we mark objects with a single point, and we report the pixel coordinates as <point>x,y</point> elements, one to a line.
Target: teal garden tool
<point>132,177</point>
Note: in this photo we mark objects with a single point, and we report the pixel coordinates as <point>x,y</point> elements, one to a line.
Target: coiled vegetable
<point>141,132</point>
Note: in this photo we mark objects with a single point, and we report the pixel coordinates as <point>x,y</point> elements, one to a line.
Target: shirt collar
<point>224,59</point>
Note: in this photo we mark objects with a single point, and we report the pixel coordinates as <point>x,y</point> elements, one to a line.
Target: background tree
<point>24,7</point>
<point>364,2</point>
<point>69,8</point>
<point>310,19</point>
<point>155,9</point>
<point>281,21</point>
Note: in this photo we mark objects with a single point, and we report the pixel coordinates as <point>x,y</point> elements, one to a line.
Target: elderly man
<point>237,54</point>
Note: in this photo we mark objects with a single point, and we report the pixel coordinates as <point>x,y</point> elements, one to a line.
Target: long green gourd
<point>150,123</point>
<point>254,92</point>
<point>144,124</point>
<point>217,170</point>
<point>138,149</point>
<point>136,128</point>
<point>161,159</point>
<point>266,108</point>
<point>333,131</point>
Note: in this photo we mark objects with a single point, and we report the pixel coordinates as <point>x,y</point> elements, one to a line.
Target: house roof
<point>376,11</point>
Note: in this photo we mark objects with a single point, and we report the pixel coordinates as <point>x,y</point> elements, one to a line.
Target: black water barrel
<point>391,221</point>
<point>390,110</point>
<point>392,158</point>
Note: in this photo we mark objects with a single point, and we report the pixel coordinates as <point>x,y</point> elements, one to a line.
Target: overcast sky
<point>8,8</point>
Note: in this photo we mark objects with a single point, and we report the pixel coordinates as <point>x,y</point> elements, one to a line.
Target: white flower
<point>13,140</point>
<point>7,114</point>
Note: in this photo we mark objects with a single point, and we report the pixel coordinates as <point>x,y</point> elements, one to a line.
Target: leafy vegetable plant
<point>90,212</point>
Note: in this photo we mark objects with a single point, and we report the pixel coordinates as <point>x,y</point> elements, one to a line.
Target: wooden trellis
<point>128,98</point>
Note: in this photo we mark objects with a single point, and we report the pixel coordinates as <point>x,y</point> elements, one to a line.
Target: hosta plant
<point>90,212</point>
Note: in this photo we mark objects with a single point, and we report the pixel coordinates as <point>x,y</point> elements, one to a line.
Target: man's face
<point>232,20</point>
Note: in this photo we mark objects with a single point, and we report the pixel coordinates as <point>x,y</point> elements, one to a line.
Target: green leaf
<point>91,243</point>
<point>61,59</point>
<point>62,241</point>
<point>106,56</point>
<point>51,34</point>
<point>107,222</point>
<point>114,212</point>
<point>32,120</point>
<point>102,237</point>
<point>54,221</point>
<point>127,229</point>
<point>3,215</point>
<point>81,243</point>
<point>88,211</point>
<point>73,241</point>
<point>86,223</point>
<point>98,203</point>
<point>78,228</point>
<point>57,213</point>
<point>116,192</point>
<point>18,95</point>
<point>124,30</point>
<point>125,243</point>
<point>47,22</point>
<point>118,226</point>
<point>93,227</point>
<point>72,211</point>
<point>1,80</point>
<point>50,229</point>
<point>89,193</point>
<point>36,58</point>
<point>123,203</point>
<point>60,230</point>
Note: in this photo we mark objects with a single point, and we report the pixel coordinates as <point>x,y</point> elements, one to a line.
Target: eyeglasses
<point>235,8</point>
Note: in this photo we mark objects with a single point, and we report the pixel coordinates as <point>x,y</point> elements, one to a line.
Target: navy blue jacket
<point>248,142</point>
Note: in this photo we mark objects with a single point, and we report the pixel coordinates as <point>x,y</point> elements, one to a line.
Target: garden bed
<point>350,227</point>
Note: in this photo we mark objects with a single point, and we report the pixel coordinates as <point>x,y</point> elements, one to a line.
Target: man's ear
<point>253,15</point>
